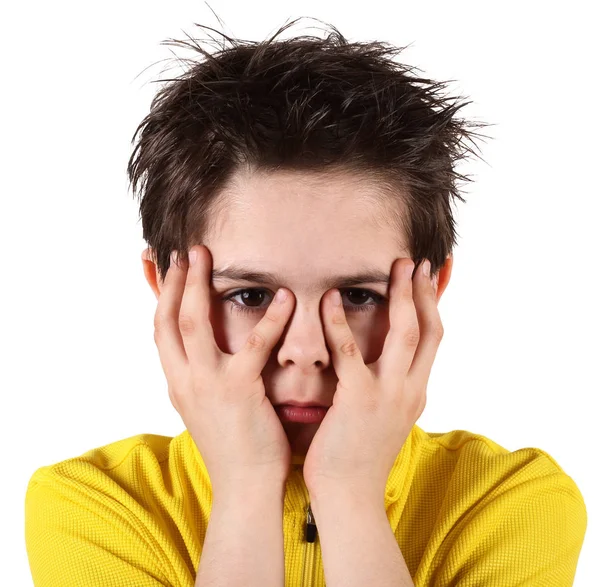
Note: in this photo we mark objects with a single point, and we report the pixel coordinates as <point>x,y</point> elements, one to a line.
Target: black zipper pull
<point>311,527</point>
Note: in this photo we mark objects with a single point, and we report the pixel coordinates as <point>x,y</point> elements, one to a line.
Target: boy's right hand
<point>221,397</point>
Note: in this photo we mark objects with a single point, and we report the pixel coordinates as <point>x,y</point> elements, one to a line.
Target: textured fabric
<point>465,513</point>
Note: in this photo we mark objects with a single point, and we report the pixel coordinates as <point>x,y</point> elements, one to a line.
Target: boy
<point>323,170</point>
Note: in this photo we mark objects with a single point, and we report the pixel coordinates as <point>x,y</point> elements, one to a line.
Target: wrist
<point>249,491</point>
<point>345,496</point>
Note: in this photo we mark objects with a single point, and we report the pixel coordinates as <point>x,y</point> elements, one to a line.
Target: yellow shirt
<point>465,512</point>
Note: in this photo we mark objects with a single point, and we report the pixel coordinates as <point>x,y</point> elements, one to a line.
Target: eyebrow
<point>241,273</point>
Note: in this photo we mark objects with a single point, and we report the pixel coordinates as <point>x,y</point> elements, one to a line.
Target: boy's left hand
<point>375,406</point>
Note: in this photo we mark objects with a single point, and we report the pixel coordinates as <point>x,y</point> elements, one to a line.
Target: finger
<point>194,314</point>
<point>347,359</point>
<point>403,337</point>
<point>251,359</point>
<point>430,327</point>
<point>166,330</point>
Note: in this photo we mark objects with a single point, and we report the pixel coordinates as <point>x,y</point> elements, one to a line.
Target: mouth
<point>306,413</point>
<point>302,404</point>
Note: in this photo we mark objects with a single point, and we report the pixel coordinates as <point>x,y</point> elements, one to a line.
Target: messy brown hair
<point>307,104</point>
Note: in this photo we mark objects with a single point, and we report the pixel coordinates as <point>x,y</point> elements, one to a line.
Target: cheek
<point>369,330</point>
<point>230,330</point>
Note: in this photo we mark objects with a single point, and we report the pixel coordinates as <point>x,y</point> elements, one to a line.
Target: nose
<point>303,340</point>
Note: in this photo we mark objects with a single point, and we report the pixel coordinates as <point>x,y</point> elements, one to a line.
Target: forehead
<point>305,225</point>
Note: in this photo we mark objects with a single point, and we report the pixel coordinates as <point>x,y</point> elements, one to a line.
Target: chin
<point>300,436</point>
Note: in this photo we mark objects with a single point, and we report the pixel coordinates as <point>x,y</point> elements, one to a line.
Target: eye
<point>257,295</point>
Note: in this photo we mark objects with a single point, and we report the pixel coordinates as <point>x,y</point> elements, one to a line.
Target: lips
<point>302,414</point>
<point>303,404</point>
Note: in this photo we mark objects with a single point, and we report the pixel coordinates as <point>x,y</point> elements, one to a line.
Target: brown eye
<point>253,300</point>
<point>252,297</point>
<point>358,296</point>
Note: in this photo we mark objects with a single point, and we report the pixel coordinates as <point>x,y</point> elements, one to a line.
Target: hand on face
<point>221,397</point>
<point>375,406</point>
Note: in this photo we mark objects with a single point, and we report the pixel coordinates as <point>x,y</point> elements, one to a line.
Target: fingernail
<point>192,256</point>
<point>426,267</point>
<point>173,257</point>
<point>336,298</point>
<point>280,296</point>
<point>409,269</point>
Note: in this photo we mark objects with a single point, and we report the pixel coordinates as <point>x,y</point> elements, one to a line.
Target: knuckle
<point>349,347</point>
<point>187,324</point>
<point>412,334</point>
<point>437,330</point>
<point>160,324</point>
<point>256,341</point>
<point>338,318</point>
<point>271,315</point>
<point>174,397</point>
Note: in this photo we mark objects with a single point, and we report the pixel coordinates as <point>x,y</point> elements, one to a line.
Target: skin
<point>304,227</point>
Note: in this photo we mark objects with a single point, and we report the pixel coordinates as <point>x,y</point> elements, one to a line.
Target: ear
<point>151,273</point>
<point>443,276</point>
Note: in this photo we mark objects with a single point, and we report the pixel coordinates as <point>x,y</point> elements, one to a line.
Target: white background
<point>518,362</point>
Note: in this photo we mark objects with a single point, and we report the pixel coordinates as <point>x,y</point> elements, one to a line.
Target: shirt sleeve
<point>77,536</point>
<point>529,535</point>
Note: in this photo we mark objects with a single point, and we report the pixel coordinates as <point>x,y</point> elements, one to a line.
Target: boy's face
<point>304,228</point>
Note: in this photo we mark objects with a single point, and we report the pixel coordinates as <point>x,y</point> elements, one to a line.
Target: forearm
<point>244,540</point>
<point>358,545</point>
